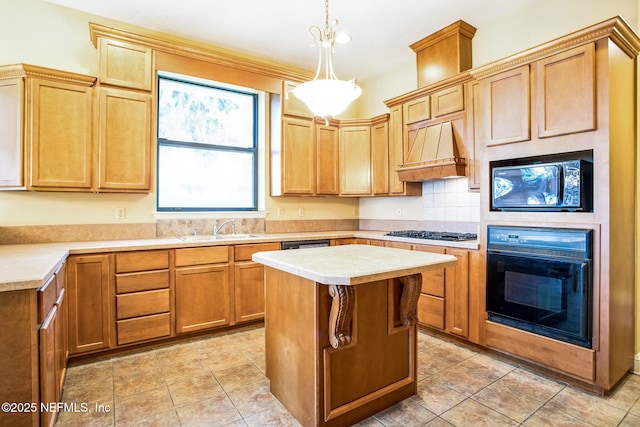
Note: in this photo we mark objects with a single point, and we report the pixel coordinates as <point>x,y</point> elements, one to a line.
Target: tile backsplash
<point>450,200</point>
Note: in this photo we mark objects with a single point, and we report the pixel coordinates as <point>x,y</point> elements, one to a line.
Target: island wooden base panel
<point>324,386</point>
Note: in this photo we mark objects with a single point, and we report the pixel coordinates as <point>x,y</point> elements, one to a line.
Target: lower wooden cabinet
<point>202,288</point>
<point>202,297</point>
<point>444,301</point>
<point>143,295</point>
<point>249,282</point>
<point>431,305</point>
<point>88,284</point>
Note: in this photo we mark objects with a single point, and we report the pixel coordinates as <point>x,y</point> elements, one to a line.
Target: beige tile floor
<point>219,381</point>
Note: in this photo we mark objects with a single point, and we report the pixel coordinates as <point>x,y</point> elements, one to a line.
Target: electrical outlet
<point>300,212</point>
<point>120,213</point>
<point>399,212</point>
<point>280,212</point>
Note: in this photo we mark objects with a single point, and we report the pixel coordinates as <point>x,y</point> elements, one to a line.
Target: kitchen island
<point>340,328</point>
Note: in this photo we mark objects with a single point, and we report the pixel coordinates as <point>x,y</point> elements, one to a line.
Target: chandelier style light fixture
<point>329,96</point>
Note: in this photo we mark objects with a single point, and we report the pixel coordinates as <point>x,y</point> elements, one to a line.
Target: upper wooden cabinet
<point>355,159</point>
<point>11,107</point>
<point>416,110</point>
<point>291,105</point>
<point>125,64</point>
<point>563,98</point>
<point>506,106</point>
<point>48,137</point>
<point>327,165</point>
<point>124,140</point>
<point>446,101</point>
<point>380,155</point>
<point>565,92</point>
<point>298,157</point>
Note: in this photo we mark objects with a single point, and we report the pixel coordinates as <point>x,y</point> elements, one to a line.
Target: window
<point>207,147</point>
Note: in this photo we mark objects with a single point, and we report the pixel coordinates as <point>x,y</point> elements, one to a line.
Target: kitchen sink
<point>204,238</point>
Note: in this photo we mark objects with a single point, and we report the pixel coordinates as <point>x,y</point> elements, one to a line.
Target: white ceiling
<point>381,30</point>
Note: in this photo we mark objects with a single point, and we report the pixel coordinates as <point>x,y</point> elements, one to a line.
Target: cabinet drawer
<point>198,256</point>
<point>142,303</point>
<point>136,282</point>
<point>433,280</point>
<point>46,298</point>
<point>141,261</point>
<point>431,311</point>
<point>244,252</point>
<point>144,328</point>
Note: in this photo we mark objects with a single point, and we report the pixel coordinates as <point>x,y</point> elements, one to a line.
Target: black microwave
<point>554,186</point>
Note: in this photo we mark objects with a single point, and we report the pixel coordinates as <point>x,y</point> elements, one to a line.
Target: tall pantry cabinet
<point>572,96</point>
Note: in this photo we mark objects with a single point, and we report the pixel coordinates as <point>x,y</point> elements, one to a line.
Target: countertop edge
<point>50,255</point>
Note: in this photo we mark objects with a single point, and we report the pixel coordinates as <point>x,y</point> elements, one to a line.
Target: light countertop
<point>28,266</point>
<point>353,264</point>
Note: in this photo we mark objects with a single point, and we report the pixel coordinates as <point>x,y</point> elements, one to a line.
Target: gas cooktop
<point>433,235</point>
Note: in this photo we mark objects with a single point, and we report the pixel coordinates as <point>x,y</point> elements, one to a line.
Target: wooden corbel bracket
<point>340,315</point>
<point>409,298</point>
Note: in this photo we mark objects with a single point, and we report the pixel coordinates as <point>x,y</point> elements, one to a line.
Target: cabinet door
<point>506,103</point>
<point>565,92</point>
<point>62,344</point>
<point>298,157</point>
<point>202,297</point>
<point>447,101</point>
<point>457,294</point>
<point>355,160</point>
<point>89,303</point>
<point>291,105</point>
<point>327,159</point>
<point>380,157</point>
<point>249,291</point>
<point>416,110</point>
<point>60,148</point>
<point>124,141</point>
<point>48,378</point>
<point>11,160</point>
<point>125,64</point>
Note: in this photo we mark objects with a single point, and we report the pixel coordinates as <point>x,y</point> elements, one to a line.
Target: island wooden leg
<point>340,315</point>
<point>409,299</point>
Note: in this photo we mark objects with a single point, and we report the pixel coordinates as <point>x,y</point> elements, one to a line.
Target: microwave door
<point>527,187</point>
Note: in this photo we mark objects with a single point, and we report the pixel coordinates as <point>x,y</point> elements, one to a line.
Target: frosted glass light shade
<point>327,97</point>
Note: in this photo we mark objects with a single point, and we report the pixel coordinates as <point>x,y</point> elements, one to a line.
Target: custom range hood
<point>433,154</point>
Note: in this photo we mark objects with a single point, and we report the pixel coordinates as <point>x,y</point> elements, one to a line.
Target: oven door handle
<point>584,281</point>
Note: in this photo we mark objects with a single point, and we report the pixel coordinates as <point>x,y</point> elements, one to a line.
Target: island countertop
<point>353,264</point>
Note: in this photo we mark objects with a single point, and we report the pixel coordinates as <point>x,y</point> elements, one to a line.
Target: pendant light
<point>329,96</point>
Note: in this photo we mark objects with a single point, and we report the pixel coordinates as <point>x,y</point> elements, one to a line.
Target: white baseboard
<point>636,364</point>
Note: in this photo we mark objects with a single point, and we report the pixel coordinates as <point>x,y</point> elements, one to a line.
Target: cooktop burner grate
<point>433,235</point>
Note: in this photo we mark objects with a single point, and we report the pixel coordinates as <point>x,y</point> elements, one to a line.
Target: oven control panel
<point>553,239</point>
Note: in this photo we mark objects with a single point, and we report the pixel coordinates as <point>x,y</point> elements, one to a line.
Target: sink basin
<point>204,238</point>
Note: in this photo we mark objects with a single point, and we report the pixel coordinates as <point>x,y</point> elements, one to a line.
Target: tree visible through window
<point>207,147</point>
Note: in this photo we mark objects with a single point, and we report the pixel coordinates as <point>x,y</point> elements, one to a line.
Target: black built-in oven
<point>539,280</point>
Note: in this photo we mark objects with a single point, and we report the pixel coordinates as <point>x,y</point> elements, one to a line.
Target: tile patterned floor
<point>220,381</point>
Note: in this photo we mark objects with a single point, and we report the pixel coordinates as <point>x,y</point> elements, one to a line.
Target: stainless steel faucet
<point>217,228</point>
